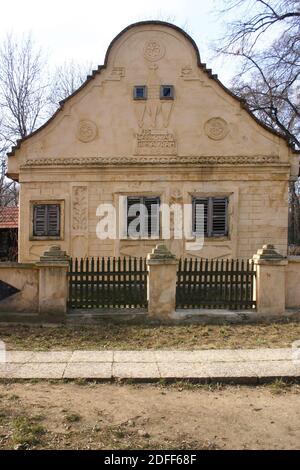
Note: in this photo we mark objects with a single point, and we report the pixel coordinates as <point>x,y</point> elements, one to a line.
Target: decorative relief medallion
<point>155,142</point>
<point>216,128</point>
<point>86,131</point>
<point>80,208</point>
<point>154,50</point>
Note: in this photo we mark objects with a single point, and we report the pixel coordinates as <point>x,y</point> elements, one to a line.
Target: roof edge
<point>201,65</point>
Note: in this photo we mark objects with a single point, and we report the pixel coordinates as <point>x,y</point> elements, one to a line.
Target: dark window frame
<point>144,200</point>
<point>49,231</point>
<point>161,94</point>
<point>135,95</point>
<point>212,215</point>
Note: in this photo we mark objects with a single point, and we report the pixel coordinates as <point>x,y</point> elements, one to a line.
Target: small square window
<point>167,92</point>
<point>140,92</point>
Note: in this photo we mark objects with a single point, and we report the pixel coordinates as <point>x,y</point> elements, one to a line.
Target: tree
<point>266,40</point>
<point>23,100</point>
<point>67,79</point>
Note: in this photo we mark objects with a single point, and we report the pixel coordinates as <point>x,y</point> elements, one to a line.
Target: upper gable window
<point>140,92</point>
<point>167,92</point>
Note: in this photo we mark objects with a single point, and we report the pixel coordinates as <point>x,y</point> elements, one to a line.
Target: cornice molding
<point>156,160</point>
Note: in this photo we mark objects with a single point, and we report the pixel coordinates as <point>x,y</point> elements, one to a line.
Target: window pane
<point>166,92</point>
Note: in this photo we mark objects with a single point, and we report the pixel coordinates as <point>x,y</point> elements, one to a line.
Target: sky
<point>81,30</point>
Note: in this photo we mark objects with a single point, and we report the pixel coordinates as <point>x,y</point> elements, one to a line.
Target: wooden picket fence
<point>215,284</point>
<point>105,283</point>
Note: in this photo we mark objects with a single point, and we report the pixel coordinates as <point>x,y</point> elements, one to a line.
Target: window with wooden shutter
<point>147,208</point>
<point>215,216</point>
<point>46,220</point>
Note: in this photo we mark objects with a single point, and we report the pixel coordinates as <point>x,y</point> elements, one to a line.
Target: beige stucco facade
<point>103,144</point>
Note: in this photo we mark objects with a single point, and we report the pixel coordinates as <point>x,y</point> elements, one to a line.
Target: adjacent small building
<point>9,233</point>
<point>153,126</point>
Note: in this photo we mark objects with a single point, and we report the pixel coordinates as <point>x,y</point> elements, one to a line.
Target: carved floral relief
<point>80,208</point>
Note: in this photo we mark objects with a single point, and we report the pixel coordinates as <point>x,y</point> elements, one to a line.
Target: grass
<point>26,432</point>
<point>124,336</point>
<point>73,418</point>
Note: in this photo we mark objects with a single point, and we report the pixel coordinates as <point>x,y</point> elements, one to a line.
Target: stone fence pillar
<point>53,282</point>
<point>161,288</point>
<point>270,281</point>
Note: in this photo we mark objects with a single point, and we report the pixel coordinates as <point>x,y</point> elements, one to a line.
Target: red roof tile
<point>9,217</point>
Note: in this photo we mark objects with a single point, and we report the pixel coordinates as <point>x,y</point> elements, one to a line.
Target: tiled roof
<point>9,217</point>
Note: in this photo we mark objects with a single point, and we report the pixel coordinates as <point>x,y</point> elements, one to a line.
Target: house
<point>9,233</point>
<point>153,127</point>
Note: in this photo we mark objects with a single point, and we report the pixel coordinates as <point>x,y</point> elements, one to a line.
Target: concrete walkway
<point>239,366</point>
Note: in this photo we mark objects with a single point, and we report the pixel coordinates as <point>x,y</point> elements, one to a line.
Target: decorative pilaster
<point>161,288</point>
<point>270,281</point>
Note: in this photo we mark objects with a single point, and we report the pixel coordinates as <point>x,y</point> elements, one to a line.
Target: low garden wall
<point>25,278</point>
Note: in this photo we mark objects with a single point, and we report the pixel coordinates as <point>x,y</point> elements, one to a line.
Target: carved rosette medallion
<point>216,128</point>
<point>154,50</point>
<point>86,131</point>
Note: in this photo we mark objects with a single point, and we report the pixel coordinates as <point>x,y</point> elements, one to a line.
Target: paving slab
<point>92,356</point>
<point>222,355</point>
<point>275,369</point>
<point>39,371</point>
<point>88,370</point>
<point>265,354</point>
<point>18,356</point>
<point>134,356</point>
<point>142,370</point>
<point>231,365</point>
<point>8,370</point>
<point>51,356</point>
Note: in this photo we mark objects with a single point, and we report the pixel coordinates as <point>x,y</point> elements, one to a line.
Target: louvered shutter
<point>53,220</point>
<point>151,227</point>
<point>219,216</point>
<point>131,201</point>
<point>40,220</point>
<point>197,222</point>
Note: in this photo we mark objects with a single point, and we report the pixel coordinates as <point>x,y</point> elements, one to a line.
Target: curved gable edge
<point>201,65</point>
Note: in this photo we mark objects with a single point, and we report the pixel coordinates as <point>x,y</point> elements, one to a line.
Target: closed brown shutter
<point>46,220</point>
<point>219,216</point>
<point>53,220</point>
<point>40,220</point>
<point>215,216</point>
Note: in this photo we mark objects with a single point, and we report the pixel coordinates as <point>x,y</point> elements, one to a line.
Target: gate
<point>220,284</point>
<point>96,283</point>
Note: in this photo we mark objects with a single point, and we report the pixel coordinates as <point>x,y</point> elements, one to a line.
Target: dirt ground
<point>125,336</point>
<point>58,415</point>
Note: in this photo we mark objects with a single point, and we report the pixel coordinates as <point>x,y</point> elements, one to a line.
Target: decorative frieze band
<point>135,160</point>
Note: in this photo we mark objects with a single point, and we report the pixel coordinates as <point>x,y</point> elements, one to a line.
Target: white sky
<point>82,29</point>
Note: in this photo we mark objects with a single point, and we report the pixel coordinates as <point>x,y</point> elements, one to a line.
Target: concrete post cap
<point>268,253</point>
<point>161,254</point>
<point>54,255</point>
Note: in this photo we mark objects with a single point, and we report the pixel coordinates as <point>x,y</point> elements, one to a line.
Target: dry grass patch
<point>122,336</point>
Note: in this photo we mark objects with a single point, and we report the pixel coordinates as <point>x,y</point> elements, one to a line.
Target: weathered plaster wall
<point>257,209</point>
<point>26,279</point>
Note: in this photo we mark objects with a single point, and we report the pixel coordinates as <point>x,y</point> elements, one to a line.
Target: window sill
<point>44,238</point>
